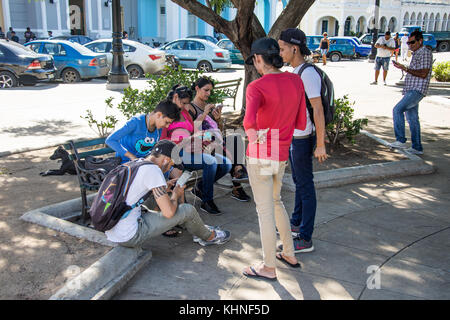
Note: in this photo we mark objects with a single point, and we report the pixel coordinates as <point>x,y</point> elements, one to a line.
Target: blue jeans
<point>301,157</point>
<point>409,105</point>
<point>214,168</point>
<point>379,61</point>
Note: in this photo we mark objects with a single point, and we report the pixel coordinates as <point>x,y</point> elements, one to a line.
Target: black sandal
<point>172,233</point>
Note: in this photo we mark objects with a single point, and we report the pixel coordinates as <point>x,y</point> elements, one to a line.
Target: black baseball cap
<point>297,37</point>
<point>169,149</point>
<point>267,46</point>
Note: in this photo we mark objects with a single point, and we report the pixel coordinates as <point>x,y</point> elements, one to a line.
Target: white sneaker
<point>397,144</point>
<point>385,83</point>
<point>413,151</point>
<point>374,82</point>
<point>222,236</point>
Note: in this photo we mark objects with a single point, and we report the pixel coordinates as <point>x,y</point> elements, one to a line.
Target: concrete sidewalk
<point>398,229</point>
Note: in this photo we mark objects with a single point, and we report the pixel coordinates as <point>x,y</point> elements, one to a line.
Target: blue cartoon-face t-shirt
<point>134,137</point>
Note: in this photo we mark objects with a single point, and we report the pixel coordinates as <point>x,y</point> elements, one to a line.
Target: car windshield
<point>357,40</point>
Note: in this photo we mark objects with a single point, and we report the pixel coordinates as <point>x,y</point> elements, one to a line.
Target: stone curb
<point>105,277</point>
<point>339,177</point>
<point>51,217</point>
<point>432,84</point>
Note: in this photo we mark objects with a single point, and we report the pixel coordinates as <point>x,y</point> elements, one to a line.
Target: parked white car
<point>139,58</point>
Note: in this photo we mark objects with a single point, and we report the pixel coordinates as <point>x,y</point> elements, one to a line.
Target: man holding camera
<point>134,228</point>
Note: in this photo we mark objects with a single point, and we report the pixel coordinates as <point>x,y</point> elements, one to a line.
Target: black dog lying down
<point>67,165</point>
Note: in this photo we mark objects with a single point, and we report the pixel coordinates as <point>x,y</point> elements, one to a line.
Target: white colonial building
<point>345,17</point>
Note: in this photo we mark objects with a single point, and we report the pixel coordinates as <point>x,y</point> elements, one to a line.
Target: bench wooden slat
<point>97,152</point>
<point>85,143</point>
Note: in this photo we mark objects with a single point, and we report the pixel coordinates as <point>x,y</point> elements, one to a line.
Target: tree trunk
<point>246,28</point>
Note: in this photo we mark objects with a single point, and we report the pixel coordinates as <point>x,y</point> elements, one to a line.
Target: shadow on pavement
<point>42,128</point>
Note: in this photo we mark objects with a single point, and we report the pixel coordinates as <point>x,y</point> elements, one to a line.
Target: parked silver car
<point>139,58</point>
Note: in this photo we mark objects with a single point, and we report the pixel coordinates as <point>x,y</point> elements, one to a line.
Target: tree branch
<point>290,17</point>
<point>204,13</point>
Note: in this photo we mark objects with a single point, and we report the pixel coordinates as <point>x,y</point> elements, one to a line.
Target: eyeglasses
<point>411,42</point>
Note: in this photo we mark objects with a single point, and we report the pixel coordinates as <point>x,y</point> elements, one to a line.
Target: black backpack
<point>326,92</point>
<point>109,204</point>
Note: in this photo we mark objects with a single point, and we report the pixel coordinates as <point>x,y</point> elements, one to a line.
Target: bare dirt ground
<point>34,260</point>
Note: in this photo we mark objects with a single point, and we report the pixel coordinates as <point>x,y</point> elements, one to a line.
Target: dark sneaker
<point>240,195</point>
<point>197,192</point>
<point>210,207</point>
<point>300,246</point>
<point>222,236</point>
<point>295,231</point>
<point>240,176</point>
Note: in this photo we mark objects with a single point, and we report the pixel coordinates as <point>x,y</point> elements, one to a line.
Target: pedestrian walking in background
<point>324,48</point>
<point>9,33</point>
<point>275,107</point>
<point>50,34</point>
<point>397,46</point>
<point>293,49</point>
<point>124,35</point>
<point>14,37</point>
<point>2,34</point>
<point>417,80</point>
<point>385,46</point>
<point>29,35</point>
<point>404,47</point>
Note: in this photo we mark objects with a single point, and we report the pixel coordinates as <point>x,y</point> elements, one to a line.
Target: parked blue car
<point>361,50</point>
<point>73,61</point>
<point>338,48</point>
<point>198,54</point>
<point>429,40</point>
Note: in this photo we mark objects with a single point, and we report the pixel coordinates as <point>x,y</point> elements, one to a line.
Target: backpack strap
<point>304,66</point>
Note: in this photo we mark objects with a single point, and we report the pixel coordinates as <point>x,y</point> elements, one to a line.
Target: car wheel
<point>134,71</point>
<point>70,75</point>
<point>7,79</point>
<point>443,46</point>
<point>335,57</point>
<point>204,66</point>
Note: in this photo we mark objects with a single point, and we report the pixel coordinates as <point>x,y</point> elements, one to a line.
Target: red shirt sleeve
<point>253,100</point>
<point>300,122</point>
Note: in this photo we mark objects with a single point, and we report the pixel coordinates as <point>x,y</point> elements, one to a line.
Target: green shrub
<point>137,101</point>
<point>441,71</point>
<point>102,127</point>
<point>343,125</point>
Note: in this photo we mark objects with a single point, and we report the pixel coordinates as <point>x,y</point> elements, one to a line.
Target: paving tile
<point>409,278</point>
<point>359,235</point>
<point>380,294</point>
<point>398,220</point>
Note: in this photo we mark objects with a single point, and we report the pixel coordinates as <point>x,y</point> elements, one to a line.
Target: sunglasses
<point>411,42</point>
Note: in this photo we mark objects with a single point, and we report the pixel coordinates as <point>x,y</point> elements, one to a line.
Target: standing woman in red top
<point>275,106</point>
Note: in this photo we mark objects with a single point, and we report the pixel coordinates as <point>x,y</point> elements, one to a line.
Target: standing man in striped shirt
<point>416,86</point>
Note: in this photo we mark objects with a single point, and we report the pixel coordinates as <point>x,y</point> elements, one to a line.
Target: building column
<point>58,18</point>
<point>99,17</point>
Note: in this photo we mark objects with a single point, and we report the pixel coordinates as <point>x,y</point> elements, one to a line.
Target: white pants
<point>404,52</point>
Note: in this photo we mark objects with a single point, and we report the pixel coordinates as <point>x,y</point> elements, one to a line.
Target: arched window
<point>406,19</point>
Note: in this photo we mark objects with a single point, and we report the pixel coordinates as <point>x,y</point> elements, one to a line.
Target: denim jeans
<point>301,159</point>
<point>153,223</point>
<point>214,168</point>
<point>409,105</point>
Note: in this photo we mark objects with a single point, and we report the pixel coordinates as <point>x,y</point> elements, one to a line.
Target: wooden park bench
<point>231,87</point>
<point>89,180</point>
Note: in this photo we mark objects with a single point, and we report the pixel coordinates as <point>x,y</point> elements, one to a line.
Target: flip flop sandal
<point>172,233</point>
<point>256,275</point>
<point>292,265</point>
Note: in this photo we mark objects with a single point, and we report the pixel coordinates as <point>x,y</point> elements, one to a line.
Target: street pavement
<point>378,240</point>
